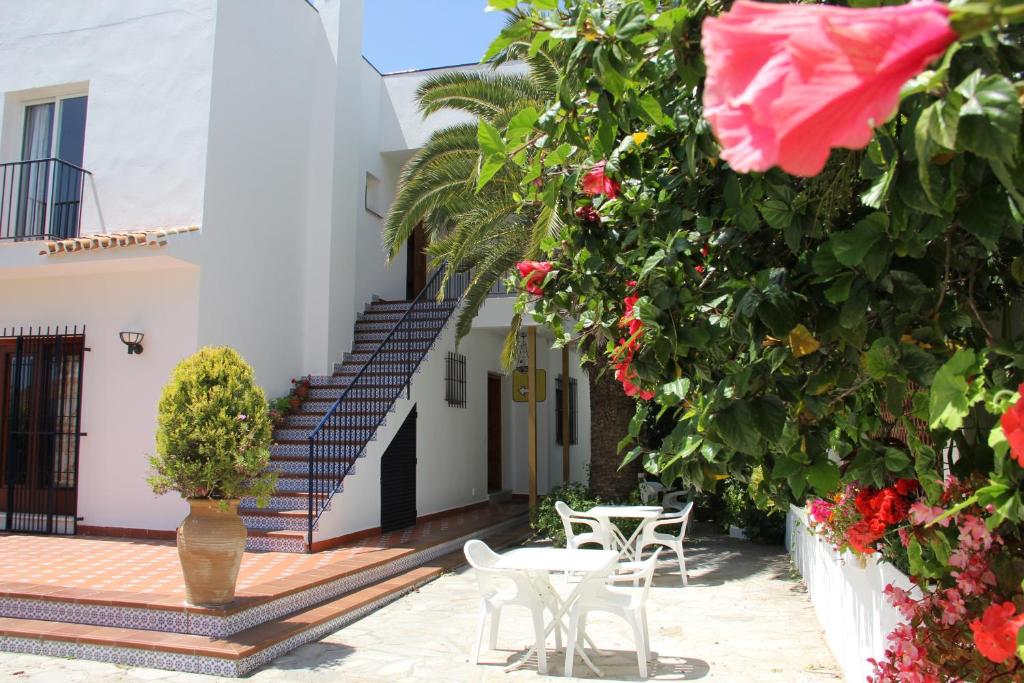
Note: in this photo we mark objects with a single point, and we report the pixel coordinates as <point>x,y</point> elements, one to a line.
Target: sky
<point>418,34</point>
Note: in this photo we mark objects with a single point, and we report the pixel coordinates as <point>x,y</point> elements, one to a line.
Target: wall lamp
<point>133,340</point>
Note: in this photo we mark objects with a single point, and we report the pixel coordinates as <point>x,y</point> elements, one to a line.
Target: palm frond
<point>480,93</point>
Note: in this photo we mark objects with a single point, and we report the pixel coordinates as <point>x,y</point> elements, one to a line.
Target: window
<point>573,435</point>
<point>455,380</point>
<point>371,198</point>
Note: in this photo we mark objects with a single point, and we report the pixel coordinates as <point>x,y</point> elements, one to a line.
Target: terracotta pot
<point>211,541</point>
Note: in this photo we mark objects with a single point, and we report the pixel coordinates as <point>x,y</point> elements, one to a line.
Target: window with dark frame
<point>573,435</point>
<point>455,380</point>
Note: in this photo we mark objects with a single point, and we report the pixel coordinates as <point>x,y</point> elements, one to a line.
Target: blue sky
<point>417,34</point>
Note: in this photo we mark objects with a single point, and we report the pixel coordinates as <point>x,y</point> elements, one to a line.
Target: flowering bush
<point>854,327</point>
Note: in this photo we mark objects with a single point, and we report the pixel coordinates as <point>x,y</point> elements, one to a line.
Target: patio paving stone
<point>744,617</point>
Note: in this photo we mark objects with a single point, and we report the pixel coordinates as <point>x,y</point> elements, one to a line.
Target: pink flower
<point>786,82</point>
<point>953,607</point>
<point>974,535</point>
<point>534,272</point>
<point>1013,428</point>
<point>995,634</point>
<point>821,510</point>
<point>595,182</point>
<point>921,514</point>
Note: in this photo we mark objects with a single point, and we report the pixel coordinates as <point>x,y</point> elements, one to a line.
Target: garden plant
<point>795,232</point>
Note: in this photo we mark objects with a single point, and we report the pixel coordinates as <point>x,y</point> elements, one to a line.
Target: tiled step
<point>276,541</point>
<point>360,393</point>
<point>277,520</point>
<point>234,642</point>
<point>281,500</point>
<point>300,465</point>
<point>411,335</point>
<point>232,656</point>
<point>301,449</point>
<point>311,420</point>
<point>350,431</point>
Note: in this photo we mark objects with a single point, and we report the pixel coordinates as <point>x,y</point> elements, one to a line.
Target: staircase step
<point>276,541</point>
<point>357,393</point>
<point>237,654</point>
<point>276,520</point>
<point>281,500</point>
<point>300,466</point>
<point>348,432</point>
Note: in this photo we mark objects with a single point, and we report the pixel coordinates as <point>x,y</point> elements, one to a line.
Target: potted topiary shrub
<point>213,437</point>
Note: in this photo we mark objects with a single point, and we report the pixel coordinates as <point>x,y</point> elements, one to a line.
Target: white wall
<point>265,182</point>
<point>847,596</point>
<point>119,392</point>
<point>145,66</point>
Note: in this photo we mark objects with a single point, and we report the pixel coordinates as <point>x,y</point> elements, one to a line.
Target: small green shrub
<point>741,510</point>
<point>578,497</point>
<point>213,431</point>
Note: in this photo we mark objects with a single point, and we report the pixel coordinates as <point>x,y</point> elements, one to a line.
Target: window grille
<point>455,380</point>
<point>573,434</point>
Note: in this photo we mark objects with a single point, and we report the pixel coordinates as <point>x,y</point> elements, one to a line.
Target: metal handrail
<point>321,450</point>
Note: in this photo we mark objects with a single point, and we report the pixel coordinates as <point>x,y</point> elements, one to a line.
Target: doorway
<point>493,432</point>
<point>398,478</point>
<point>416,263</point>
<point>40,403</point>
<point>52,152</point>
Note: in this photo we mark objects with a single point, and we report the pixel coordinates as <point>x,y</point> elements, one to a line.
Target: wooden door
<point>416,265</point>
<point>493,433</point>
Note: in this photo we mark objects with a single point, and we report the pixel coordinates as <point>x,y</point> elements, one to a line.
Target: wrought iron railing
<point>351,421</point>
<point>40,199</point>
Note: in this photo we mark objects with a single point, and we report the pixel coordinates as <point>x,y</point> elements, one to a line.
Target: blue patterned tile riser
<point>277,503</point>
<point>277,522</point>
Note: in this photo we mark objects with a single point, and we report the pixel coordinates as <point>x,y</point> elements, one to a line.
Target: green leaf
<point>769,413</point>
<point>896,461</point>
<point>855,307</point>
<point>777,213</point>
<point>489,139</point>
<point>840,289</point>
<point>990,117</point>
<point>823,476</point>
<point>852,246</point>
<point>735,425</point>
<point>491,165</point>
<point>521,125</point>
<point>949,400</point>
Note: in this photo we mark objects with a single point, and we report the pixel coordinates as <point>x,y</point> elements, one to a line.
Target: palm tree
<point>489,231</point>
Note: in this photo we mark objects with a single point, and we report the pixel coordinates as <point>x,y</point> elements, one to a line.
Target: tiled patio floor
<point>146,573</point>
<point>744,618</point>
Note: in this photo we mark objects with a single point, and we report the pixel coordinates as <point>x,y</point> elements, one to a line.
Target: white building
<point>213,172</point>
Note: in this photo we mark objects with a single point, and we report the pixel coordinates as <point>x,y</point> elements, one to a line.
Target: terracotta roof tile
<point>153,238</point>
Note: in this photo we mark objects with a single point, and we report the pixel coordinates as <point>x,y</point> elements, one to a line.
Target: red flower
<point>995,634</point>
<point>595,182</point>
<point>629,319</point>
<point>863,535</point>
<point>905,487</point>
<point>890,507</point>
<point>534,272</point>
<point>625,373</point>
<point>588,214</point>
<point>1013,428</point>
<point>786,82</point>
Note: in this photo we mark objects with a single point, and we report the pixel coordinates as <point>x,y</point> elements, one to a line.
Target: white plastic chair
<point>598,533</point>
<point>650,535</point>
<point>628,603</point>
<point>675,501</point>
<point>650,491</point>
<point>499,589</point>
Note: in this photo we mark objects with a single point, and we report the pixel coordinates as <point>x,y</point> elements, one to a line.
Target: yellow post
<point>565,414</point>
<point>531,420</point>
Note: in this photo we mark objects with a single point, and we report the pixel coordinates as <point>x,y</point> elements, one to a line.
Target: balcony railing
<point>40,199</point>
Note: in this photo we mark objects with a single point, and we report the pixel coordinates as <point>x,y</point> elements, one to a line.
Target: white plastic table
<point>605,513</point>
<point>539,562</point>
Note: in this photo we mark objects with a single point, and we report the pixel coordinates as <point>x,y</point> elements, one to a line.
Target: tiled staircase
<point>283,525</point>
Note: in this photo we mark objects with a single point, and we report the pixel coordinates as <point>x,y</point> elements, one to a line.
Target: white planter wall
<point>848,598</point>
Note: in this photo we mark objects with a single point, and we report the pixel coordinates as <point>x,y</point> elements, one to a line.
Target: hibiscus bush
<point>797,236</point>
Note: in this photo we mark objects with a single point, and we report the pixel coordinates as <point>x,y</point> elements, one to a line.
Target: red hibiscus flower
<point>905,487</point>
<point>787,82</point>
<point>588,214</point>
<point>995,634</point>
<point>1013,428</point>
<point>595,182</point>
<point>625,374</point>
<point>534,272</point>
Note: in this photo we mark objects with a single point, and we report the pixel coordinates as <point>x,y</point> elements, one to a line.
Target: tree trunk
<point>610,413</point>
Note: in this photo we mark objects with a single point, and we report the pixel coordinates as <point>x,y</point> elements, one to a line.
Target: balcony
<point>40,200</point>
